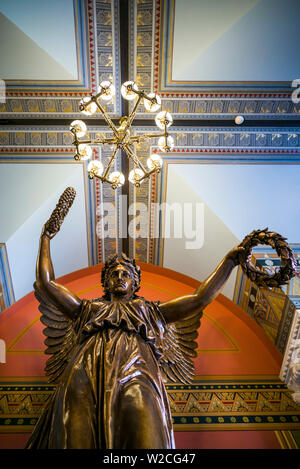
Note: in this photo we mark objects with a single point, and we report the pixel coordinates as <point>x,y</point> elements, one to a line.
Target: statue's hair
<point>113,262</point>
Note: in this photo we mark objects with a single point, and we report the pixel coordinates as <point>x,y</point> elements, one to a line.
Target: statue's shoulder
<point>139,300</point>
<point>142,302</point>
<point>94,304</point>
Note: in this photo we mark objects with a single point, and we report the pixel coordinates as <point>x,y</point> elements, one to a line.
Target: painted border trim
<point>5,276</point>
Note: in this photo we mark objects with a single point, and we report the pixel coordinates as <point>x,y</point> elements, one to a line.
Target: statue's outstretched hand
<point>239,255</point>
<point>243,254</point>
<point>45,232</point>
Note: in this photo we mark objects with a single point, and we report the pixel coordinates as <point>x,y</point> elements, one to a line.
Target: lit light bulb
<point>78,127</point>
<point>88,109</point>
<point>117,179</point>
<point>84,151</point>
<point>163,119</point>
<point>127,90</point>
<point>107,90</point>
<point>166,145</point>
<point>239,120</point>
<point>154,161</point>
<point>135,175</point>
<point>95,167</point>
<point>153,104</point>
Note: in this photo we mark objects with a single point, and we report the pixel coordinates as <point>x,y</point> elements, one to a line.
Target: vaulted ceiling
<point>209,61</point>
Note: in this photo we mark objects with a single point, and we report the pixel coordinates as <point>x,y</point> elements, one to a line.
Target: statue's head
<point>120,277</point>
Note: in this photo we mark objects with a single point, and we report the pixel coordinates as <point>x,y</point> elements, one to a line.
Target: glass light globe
<point>89,109</point>
<point>239,120</point>
<point>107,89</point>
<point>127,90</point>
<point>116,178</point>
<point>135,175</point>
<point>163,119</point>
<point>154,161</point>
<point>84,151</point>
<point>166,145</point>
<point>154,104</point>
<point>79,127</point>
<point>95,167</point>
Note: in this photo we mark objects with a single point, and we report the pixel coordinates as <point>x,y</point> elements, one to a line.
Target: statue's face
<point>121,282</point>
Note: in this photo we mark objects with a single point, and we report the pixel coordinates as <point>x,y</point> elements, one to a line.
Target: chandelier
<point>121,138</point>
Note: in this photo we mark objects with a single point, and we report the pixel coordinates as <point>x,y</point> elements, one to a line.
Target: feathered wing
<point>60,335</point>
<point>179,346</point>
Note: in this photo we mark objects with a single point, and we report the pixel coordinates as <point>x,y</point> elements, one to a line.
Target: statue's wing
<point>59,332</point>
<point>179,348</point>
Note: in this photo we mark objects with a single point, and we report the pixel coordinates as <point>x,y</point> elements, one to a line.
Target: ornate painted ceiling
<point>209,62</point>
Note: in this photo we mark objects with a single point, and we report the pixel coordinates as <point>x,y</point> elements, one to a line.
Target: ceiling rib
<point>124,59</point>
<point>150,123</point>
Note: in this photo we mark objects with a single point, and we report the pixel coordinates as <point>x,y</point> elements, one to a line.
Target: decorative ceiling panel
<point>151,55</point>
<point>227,46</point>
<point>35,49</point>
<point>97,58</point>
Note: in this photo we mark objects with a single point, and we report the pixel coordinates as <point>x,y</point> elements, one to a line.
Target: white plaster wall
<point>218,239</point>
<point>234,40</point>
<point>38,40</point>
<point>68,248</point>
<point>24,188</point>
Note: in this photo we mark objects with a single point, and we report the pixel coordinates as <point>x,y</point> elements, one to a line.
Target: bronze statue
<point>111,355</point>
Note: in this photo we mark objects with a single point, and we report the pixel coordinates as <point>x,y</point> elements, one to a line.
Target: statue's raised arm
<point>59,306</point>
<point>184,306</point>
<point>68,302</point>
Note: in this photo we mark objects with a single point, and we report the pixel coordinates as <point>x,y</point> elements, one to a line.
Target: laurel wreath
<point>277,242</point>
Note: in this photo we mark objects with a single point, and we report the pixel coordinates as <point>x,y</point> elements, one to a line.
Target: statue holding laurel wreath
<point>110,356</point>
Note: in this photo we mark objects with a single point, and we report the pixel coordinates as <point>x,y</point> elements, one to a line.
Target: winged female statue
<point>110,356</point>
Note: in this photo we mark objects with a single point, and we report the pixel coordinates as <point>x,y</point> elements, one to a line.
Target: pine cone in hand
<point>58,215</point>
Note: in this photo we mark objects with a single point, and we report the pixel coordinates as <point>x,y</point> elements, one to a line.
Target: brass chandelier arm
<point>147,174</point>
<point>76,140</point>
<point>131,155</point>
<point>102,141</point>
<point>140,138</point>
<point>107,118</point>
<point>80,142</point>
<point>112,158</point>
<point>133,112</point>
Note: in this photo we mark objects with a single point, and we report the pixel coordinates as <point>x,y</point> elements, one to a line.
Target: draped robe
<point>110,393</point>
